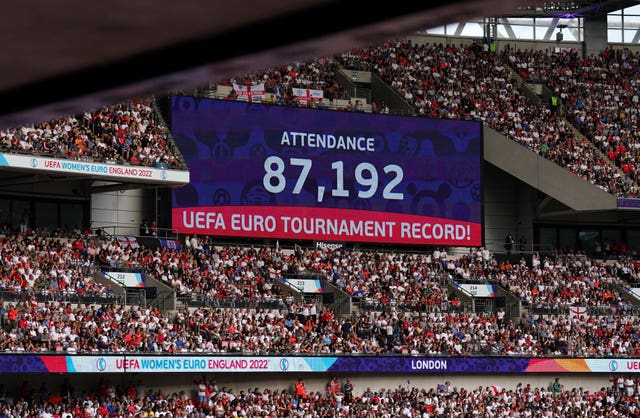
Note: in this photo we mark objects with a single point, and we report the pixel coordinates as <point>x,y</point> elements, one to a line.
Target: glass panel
<point>451,28</point>
<point>46,216</point>
<point>571,34</point>
<point>439,30</point>
<point>525,21</point>
<point>629,35</point>
<point>544,22</point>
<point>473,29</point>
<point>502,34</point>
<point>632,22</point>
<point>523,32</point>
<point>71,216</point>
<point>610,241</point>
<point>614,22</point>
<point>20,215</point>
<point>5,212</point>
<point>614,36</point>
<point>588,240</point>
<point>567,239</point>
<point>633,10</point>
<point>542,26</point>
<point>548,239</point>
<point>633,241</point>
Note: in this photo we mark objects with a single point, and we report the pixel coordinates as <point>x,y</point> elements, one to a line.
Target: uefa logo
<point>613,365</point>
<point>284,364</point>
<point>34,162</point>
<point>101,364</point>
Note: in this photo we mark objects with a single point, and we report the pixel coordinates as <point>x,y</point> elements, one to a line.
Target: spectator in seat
<point>145,229</point>
<point>508,243</point>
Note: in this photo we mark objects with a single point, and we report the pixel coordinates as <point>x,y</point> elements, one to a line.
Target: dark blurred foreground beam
<point>80,56</point>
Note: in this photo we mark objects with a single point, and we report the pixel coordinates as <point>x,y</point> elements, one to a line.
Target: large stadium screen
<point>266,171</point>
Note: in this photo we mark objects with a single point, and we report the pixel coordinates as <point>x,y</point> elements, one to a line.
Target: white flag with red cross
<point>306,95</point>
<point>249,93</point>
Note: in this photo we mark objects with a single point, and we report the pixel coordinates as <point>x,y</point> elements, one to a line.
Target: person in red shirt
<point>131,391</point>
<point>333,386</point>
<point>103,410</point>
<point>12,315</point>
<point>55,399</point>
<point>301,390</point>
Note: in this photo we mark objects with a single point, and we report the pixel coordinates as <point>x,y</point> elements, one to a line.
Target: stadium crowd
<point>128,133</point>
<point>49,266</point>
<point>600,94</point>
<point>207,399</point>
<point>411,310</point>
<point>318,74</point>
<point>109,328</point>
<point>470,82</point>
<point>406,305</point>
<point>567,280</point>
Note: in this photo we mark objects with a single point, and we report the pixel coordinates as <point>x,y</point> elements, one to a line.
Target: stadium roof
<point>567,9</point>
<point>62,58</point>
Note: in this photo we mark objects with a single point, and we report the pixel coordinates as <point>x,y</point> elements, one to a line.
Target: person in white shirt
<point>339,398</point>
<point>620,384</point>
<point>629,386</point>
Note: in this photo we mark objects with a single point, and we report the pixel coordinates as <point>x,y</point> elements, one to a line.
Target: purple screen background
<point>225,144</point>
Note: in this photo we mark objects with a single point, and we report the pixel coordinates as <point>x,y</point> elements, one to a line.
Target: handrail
<point>366,306</point>
<point>600,310</point>
<point>204,301</point>
<point>279,355</point>
<point>115,230</point>
<point>167,133</point>
<point>213,94</point>
<point>164,301</point>
<point>44,296</point>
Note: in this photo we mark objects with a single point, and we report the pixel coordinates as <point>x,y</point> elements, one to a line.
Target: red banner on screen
<point>331,224</point>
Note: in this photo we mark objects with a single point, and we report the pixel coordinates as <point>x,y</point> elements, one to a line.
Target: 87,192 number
<point>365,174</point>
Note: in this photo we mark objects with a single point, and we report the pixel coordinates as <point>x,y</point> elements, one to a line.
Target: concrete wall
<point>544,175</point>
<point>513,175</point>
<point>120,212</point>
<point>595,34</point>
<point>314,382</point>
<point>499,207</point>
<point>509,207</point>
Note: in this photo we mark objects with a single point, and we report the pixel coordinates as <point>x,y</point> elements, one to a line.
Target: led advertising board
<point>267,171</point>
